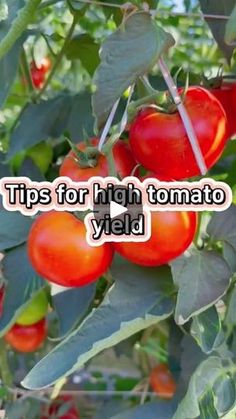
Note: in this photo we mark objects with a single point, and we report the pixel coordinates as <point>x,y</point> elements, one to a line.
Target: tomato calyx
<point>86,158</point>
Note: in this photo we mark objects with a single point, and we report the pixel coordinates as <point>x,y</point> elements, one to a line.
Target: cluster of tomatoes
<point>57,244</point>
<point>39,72</point>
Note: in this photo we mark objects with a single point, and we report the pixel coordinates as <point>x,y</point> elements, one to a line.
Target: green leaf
<point>127,54</point>
<point>22,285</point>
<point>8,69</point>
<point>206,330</point>
<point>138,299</point>
<point>14,228</point>
<point>3,10</point>
<point>12,13</point>
<point>152,410</point>
<point>51,119</point>
<point>207,379</point>
<point>223,226</point>
<point>202,277</point>
<point>230,314</point>
<point>230,32</point>
<point>71,305</point>
<point>84,48</point>
<point>217,26</point>
<point>229,253</point>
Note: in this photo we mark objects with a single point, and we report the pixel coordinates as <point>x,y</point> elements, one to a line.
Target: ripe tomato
<point>160,143</point>
<point>124,163</point>
<point>45,64</point>
<point>37,75</point>
<point>172,233</point>
<point>225,95</point>
<point>162,381</point>
<point>59,252</point>
<point>27,338</point>
<point>1,300</point>
<point>56,406</point>
<point>36,310</point>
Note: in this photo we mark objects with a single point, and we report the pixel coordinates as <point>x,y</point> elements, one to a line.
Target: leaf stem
<point>26,71</point>
<point>4,366</point>
<point>58,58</point>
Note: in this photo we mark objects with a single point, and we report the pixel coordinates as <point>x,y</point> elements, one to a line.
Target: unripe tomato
<point>41,154</point>
<point>59,252</point>
<point>27,338</point>
<point>160,143</point>
<point>172,232</point>
<point>162,381</point>
<point>36,310</point>
<point>123,159</point>
<point>225,95</point>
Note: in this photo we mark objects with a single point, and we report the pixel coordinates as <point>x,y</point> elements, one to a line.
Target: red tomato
<point>57,404</point>
<point>123,158</point>
<point>37,75</point>
<point>172,233</point>
<point>1,300</point>
<point>59,252</point>
<point>27,338</point>
<point>226,94</point>
<point>162,381</point>
<point>46,64</point>
<point>160,143</point>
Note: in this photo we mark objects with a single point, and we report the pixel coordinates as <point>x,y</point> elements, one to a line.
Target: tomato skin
<point>172,233</point>
<point>123,158</point>
<point>160,143</point>
<point>162,381</point>
<point>46,64</point>
<point>72,412</point>
<point>59,252</point>
<point>1,300</point>
<point>37,76</point>
<point>35,311</point>
<point>225,95</point>
<point>27,338</point>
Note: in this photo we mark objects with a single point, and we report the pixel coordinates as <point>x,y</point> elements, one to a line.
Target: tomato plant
<point>179,226</point>
<point>35,311</point>
<point>162,381</point>
<point>123,159</point>
<point>160,143</point>
<point>27,338</point>
<point>57,260</point>
<point>38,72</point>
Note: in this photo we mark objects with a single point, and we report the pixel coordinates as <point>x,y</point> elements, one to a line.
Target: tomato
<point>37,76</point>
<point>160,143</point>
<point>162,381</point>
<point>59,252</point>
<point>38,72</point>
<point>171,234</point>
<point>56,406</point>
<point>124,163</point>
<point>46,64</point>
<point>36,310</point>
<point>41,154</point>
<point>225,95</point>
<point>1,300</point>
<point>27,338</point>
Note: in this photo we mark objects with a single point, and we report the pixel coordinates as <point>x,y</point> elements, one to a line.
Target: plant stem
<point>54,69</point>
<point>26,71</point>
<point>4,366</point>
<point>58,59</point>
